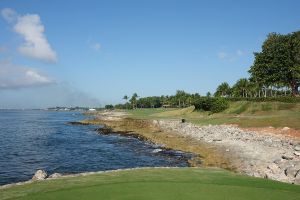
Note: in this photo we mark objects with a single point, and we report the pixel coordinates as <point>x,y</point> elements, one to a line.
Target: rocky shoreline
<point>264,155</point>
<point>261,155</point>
<point>41,175</point>
<point>258,154</point>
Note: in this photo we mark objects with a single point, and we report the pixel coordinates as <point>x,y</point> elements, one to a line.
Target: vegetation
<point>242,113</point>
<point>275,70</point>
<point>184,183</point>
<point>109,106</point>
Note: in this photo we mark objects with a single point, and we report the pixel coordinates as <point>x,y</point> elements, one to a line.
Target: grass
<point>142,184</point>
<point>147,112</point>
<point>242,113</point>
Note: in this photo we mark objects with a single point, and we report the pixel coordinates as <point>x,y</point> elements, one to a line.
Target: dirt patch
<point>279,132</point>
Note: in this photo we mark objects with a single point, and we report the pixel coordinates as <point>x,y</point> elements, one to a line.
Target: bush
<point>219,105</point>
<point>203,103</point>
<point>109,106</point>
<point>214,105</point>
<point>285,99</point>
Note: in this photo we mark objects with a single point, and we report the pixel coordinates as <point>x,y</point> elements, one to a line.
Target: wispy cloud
<point>239,53</point>
<point>222,55</point>
<point>96,46</point>
<point>228,56</point>
<point>32,30</point>
<point>2,49</point>
<point>14,77</point>
<point>9,14</point>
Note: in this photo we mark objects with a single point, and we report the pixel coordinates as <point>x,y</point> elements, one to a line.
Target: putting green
<point>175,183</point>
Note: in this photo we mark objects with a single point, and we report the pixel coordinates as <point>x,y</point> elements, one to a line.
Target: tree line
<point>275,73</point>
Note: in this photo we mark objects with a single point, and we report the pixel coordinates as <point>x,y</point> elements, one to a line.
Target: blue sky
<point>94,52</point>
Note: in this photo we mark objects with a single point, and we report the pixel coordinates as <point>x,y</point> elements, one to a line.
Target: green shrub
<point>286,99</point>
<point>219,105</point>
<point>203,103</point>
<point>213,105</point>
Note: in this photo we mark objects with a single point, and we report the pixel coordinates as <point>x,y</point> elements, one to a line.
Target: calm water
<point>31,140</point>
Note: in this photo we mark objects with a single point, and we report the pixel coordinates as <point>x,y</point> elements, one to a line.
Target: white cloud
<point>96,46</point>
<point>32,30</point>
<point>9,14</point>
<point>222,55</point>
<point>239,53</point>
<point>13,76</point>
<point>230,56</point>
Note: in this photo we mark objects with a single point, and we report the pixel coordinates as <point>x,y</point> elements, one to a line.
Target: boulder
<point>55,175</point>
<point>277,161</point>
<point>285,128</point>
<point>287,157</point>
<point>39,175</point>
<point>297,153</point>
<point>297,179</point>
<point>274,168</point>
<point>297,148</point>
<point>291,171</point>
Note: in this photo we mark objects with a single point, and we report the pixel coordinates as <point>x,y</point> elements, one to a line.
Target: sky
<point>92,53</point>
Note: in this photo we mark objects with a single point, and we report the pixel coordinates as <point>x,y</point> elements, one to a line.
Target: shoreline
<point>9,185</point>
<point>246,151</point>
<point>228,147</point>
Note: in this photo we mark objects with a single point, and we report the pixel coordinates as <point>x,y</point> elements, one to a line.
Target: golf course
<point>156,183</point>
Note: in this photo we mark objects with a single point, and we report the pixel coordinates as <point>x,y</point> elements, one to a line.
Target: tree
<point>126,99</point>
<point>241,88</point>
<point>181,96</point>
<point>133,100</point>
<point>109,106</point>
<point>279,62</point>
<point>223,90</point>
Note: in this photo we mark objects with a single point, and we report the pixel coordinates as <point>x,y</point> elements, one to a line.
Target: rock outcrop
<point>256,154</point>
<point>39,175</point>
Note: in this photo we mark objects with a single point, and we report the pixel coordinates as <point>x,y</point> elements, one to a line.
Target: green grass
<point>142,184</point>
<point>243,113</point>
<point>147,112</point>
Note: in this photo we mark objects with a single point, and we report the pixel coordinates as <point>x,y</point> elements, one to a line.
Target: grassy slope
<point>245,114</point>
<point>184,183</point>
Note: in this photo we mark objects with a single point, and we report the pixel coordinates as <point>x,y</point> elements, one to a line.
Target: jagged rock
<point>277,161</point>
<point>297,179</point>
<point>297,153</point>
<point>274,168</point>
<point>39,175</point>
<point>291,171</point>
<point>104,130</point>
<point>287,157</point>
<point>297,148</point>
<point>55,175</point>
<point>285,128</point>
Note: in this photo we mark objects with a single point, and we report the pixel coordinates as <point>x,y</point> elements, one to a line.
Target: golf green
<point>156,183</point>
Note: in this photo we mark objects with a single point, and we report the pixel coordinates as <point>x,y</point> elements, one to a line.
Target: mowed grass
<point>158,184</point>
<point>146,113</point>
<point>242,113</point>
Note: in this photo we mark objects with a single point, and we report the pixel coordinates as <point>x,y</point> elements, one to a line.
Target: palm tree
<point>133,100</point>
<point>241,88</point>
<point>223,90</point>
<point>126,99</point>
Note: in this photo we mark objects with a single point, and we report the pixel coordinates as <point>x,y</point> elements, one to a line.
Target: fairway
<point>158,183</point>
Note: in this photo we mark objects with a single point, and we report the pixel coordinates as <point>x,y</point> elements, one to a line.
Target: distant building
<point>92,109</point>
<point>166,106</point>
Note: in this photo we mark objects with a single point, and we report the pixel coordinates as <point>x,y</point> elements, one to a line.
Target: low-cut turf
<point>158,184</point>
